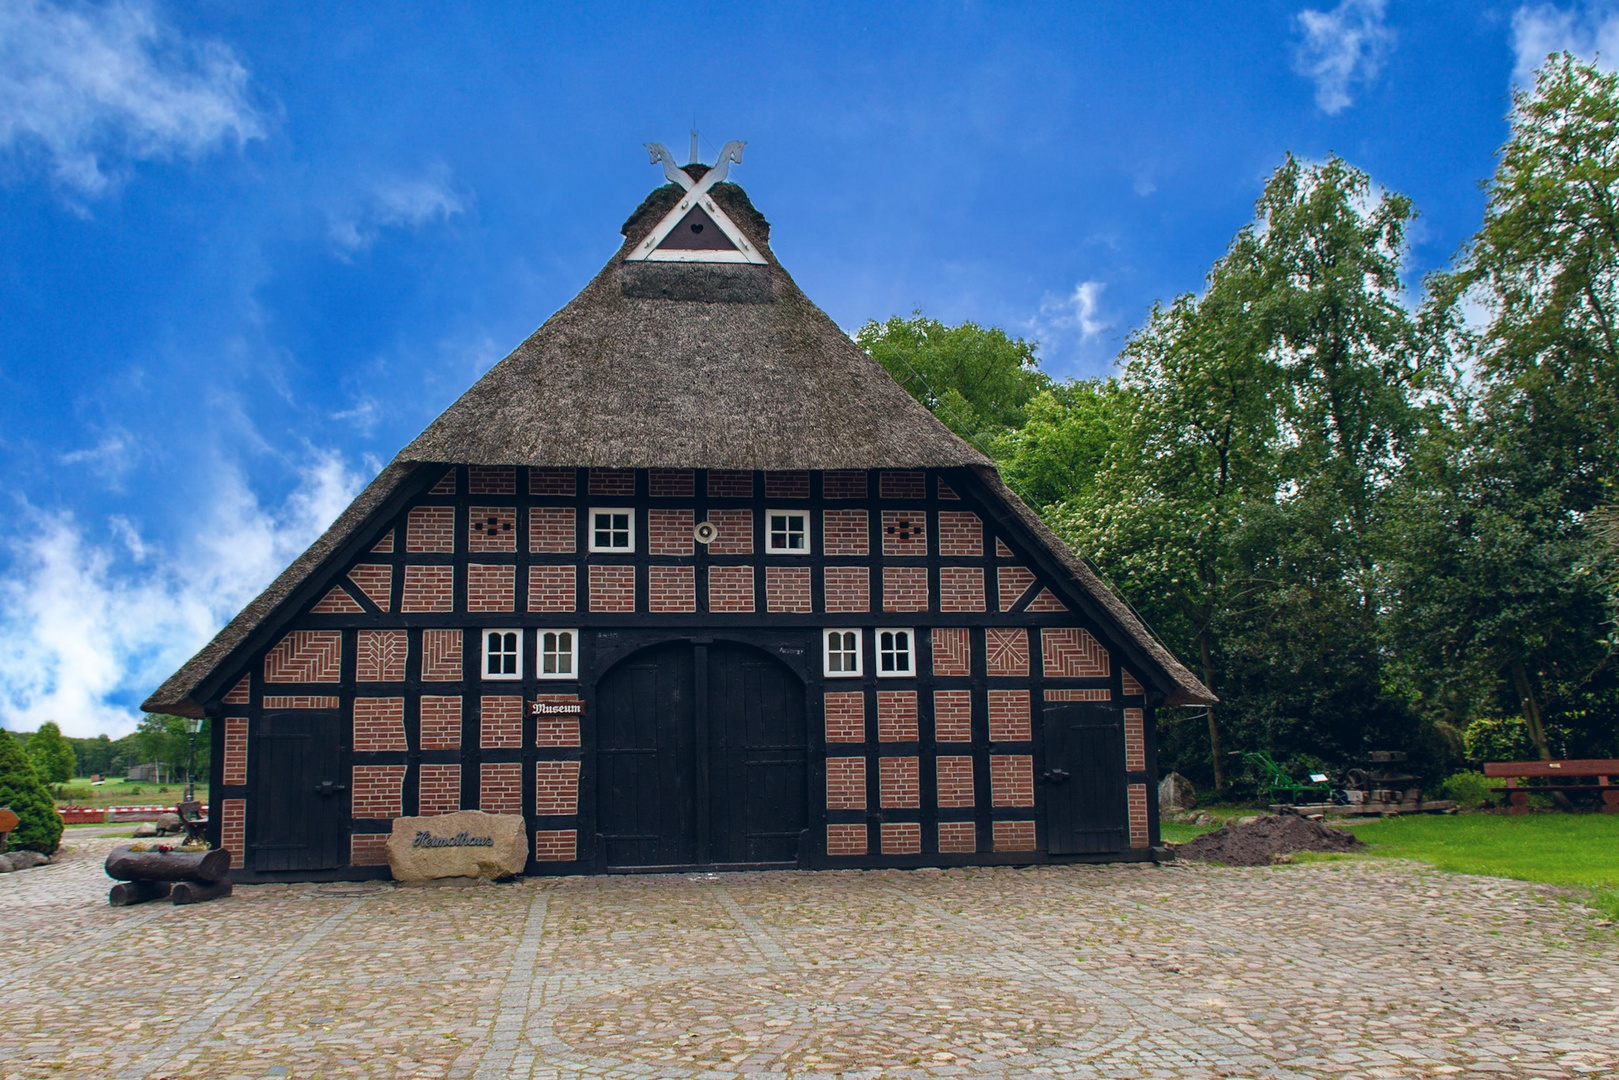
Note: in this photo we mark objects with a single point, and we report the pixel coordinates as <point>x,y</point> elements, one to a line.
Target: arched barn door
<point>702,758</point>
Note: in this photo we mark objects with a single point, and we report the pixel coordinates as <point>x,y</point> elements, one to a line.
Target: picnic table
<point>1570,776</point>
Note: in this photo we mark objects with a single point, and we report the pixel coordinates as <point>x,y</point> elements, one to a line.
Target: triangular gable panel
<point>697,232</point>
<point>674,239</point>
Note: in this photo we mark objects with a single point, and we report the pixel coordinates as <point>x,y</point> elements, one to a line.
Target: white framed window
<point>787,532</point>
<point>559,654</point>
<point>896,654</point>
<point>842,651</point>
<point>502,654</point>
<point>612,528</point>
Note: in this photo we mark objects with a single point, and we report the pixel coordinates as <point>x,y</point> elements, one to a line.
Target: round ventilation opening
<point>704,531</point>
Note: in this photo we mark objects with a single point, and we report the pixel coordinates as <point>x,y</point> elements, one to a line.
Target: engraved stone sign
<point>469,843</point>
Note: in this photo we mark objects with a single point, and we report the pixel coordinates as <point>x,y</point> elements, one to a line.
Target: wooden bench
<point>1565,776</point>
<point>192,820</point>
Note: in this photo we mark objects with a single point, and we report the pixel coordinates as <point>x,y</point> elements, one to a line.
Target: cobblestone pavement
<point>1350,969</point>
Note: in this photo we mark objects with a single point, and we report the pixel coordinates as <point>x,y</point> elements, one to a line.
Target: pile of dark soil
<point>1259,842</point>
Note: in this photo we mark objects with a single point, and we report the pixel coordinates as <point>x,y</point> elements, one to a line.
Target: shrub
<point>39,826</point>
<point>51,754</point>
<point>1469,789</point>
<point>73,795</point>
<point>1497,738</point>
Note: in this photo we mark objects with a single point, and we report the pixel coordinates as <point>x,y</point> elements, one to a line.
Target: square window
<point>787,532</point>
<point>503,654</point>
<point>896,654</point>
<point>559,654</point>
<point>612,529</point>
<point>842,654</point>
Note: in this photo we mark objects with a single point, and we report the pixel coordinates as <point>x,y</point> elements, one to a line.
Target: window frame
<point>590,530</point>
<point>910,651</point>
<point>540,651</point>
<point>483,666</point>
<point>859,652</point>
<point>802,515</point>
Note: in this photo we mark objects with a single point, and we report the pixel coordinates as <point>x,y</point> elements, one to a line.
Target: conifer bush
<point>39,826</point>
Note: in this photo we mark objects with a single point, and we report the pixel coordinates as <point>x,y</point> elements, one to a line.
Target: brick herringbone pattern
<point>441,655</point>
<point>380,656</point>
<point>1072,653</point>
<point>305,656</point>
<point>952,651</point>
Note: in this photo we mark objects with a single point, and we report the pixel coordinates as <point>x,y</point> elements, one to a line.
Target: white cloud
<point>111,458</point>
<point>1080,310</point>
<point>88,626</point>
<point>1341,47</point>
<point>90,89</point>
<point>399,202</point>
<point>1543,29</point>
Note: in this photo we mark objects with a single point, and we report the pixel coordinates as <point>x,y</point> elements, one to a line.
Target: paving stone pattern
<point>1349,969</point>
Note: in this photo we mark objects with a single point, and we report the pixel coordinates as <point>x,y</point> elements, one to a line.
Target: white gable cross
<point>696,195</point>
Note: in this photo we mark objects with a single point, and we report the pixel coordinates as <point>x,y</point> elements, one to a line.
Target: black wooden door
<point>1083,779</point>
<point>758,754</point>
<point>298,815</point>
<point>646,806</point>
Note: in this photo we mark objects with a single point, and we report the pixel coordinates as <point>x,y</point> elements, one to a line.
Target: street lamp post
<point>193,725</point>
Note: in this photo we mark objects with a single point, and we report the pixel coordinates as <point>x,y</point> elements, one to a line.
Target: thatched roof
<point>667,365</point>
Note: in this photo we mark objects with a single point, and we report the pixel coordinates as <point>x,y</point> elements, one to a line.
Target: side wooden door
<point>1083,781</point>
<point>758,757</point>
<point>646,805</point>
<point>298,812</point>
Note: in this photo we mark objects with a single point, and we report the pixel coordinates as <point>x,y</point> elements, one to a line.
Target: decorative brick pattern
<point>901,837</point>
<point>491,588</point>
<point>376,580</point>
<point>1045,601</point>
<point>1011,780</point>
<point>429,588</point>
<point>730,484</point>
<point>368,849</point>
<point>1135,740</point>
<point>961,588</point>
<point>730,588</point>
<point>896,716</point>
<point>844,484</point>
<point>1014,836</point>
<point>337,602</point>
<point>301,701</point>
<point>735,532</point>
<point>445,485</point>
<point>233,830</point>
<point>1014,581</point>
<point>441,723</point>
<point>500,787</point>
<point>1072,653</point>
<point>905,532</point>
<point>952,651</point>
<point>552,481</point>
<point>901,485</point>
<point>958,838</point>
<point>845,532</point>
<point>845,716</point>
<point>556,788</point>
<point>1006,651</point>
<point>612,588</point>
<point>787,485</point>
<point>899,782</point>
<point>787,588</point>
<point>378,791</point>
<point>1132,688</point>
<point>441,656</point>
<point>948,492</point>
<point>430,528</point>
<point>668,532</point>
<point>905,588</point>
<point>552,530</point>
<point>380,656</point>
<point>491,528</point>
<point>673,483</point>
<point>491,480</point>
<point>438,790</point>
<point>952,716</point>
<point>235,772</point>
<point>961,533</point>
<point>1079,695</point>
<point>848,588</point>
<point>557,729</point>
<point>556,845</point>
<point>671,588</point>
<point>845,783</point>
<point>845,839</point>
<point>1002,551</point>
<point>553,588</point>
<point>500,722</point>
<point>612,482</point>
<point>955,781</point>
<point>1009,716</point>
<point>1137,797</point>
<point>384,546</point>
<point>305,656</point>
<point>241,693</point>
<point>379,724</point>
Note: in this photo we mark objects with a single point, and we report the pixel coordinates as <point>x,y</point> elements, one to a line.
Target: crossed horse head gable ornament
<point>696,229</point>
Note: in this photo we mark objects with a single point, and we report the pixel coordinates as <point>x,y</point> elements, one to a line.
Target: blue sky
<point>248,250</point>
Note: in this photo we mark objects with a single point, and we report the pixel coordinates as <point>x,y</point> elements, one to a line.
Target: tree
<point>39,826</point>
<point>163,738</point>
<point>52,757</point>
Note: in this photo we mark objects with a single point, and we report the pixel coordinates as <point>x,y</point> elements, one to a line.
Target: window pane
<point>565,642</point>
<point>493,667</point>
<point>549,643</point>
<point>494,642</point>
<point>510,664</point>
<point>549,664</point>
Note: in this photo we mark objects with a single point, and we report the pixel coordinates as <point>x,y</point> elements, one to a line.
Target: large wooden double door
<point>701,757</point>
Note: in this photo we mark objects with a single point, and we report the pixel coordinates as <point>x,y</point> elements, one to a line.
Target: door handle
<point>328,788</point>
<point>1054,776</point>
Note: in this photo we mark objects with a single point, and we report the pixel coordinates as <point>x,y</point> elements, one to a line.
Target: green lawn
<point>125,793</point>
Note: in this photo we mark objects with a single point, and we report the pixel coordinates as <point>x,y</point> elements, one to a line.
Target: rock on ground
<point>469,844</point>
<point>1257,841</point>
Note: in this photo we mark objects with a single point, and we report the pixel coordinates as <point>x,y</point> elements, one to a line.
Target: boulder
<point>5,864</point>
<point>469,843</point>
<point>146,828</point>
<point>167,823</point>
<point>25,860</point>
<point>1175,792</point>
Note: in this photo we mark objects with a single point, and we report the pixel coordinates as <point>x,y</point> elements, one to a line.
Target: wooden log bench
<point>1568,777</point>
